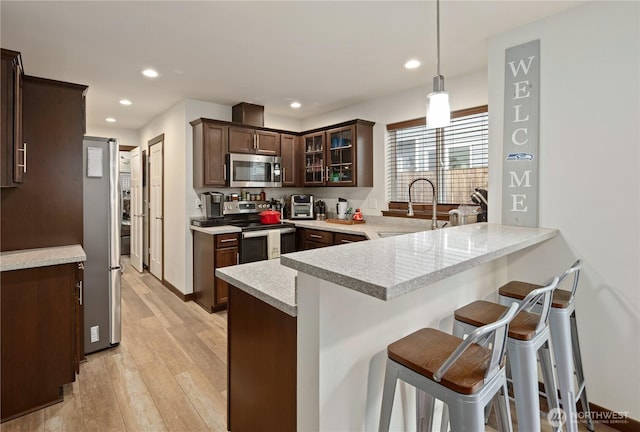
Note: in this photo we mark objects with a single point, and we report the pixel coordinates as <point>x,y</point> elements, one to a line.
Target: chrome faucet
<point>434,203</point>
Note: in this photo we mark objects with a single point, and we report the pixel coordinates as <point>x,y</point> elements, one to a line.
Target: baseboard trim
<point>613,419</point>
<point>177,292</point>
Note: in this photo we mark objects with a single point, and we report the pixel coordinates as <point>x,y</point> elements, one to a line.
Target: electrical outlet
<point>373,203</point>
<point>95,334</point>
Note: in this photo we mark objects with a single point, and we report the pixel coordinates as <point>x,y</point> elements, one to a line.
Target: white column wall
<point>589,181</point>
<point>171,124</point>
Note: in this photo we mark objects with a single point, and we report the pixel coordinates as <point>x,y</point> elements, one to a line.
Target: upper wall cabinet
<point>291,158</point>
<point>13,151</point>
<point>253,141</point>
<point>210,146</point>
<point>341,155</point>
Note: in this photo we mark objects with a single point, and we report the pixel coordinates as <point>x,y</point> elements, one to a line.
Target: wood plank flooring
<point>168,374</point>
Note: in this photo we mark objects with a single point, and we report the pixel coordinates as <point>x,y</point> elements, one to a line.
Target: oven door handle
<point>264,233</point>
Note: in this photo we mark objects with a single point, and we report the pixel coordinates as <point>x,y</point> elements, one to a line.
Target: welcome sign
<point>521,135</point>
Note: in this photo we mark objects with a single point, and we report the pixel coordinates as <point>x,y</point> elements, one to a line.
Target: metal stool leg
<point>388,393</point>
<point>425,405</point>
<point>577,360</point>
<point>524,369</point>
<point>503,414</point>
<point>562,344</point>
<point>550,385</point>
<point>466,417</point>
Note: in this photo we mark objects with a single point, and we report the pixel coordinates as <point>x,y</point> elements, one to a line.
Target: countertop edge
<point>41,257</point>
<point>268,298</point>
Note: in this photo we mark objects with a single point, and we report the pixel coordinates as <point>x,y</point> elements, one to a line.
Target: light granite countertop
<point>385,268</point>
<point>268,281</point>
<point>390,267</point>
<point>222,229</point>
<point>372,228</point>
<point>41,257</point>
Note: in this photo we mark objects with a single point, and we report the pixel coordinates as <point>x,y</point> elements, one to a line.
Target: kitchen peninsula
<point>395,285</point>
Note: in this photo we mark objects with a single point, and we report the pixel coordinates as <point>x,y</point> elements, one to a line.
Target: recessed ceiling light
<point>125,102</point>
<point>149,73</point>
<point>295,105</point>
<point>110,119</point>
<point>412,64</point>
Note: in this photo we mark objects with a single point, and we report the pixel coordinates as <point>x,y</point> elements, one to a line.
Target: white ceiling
<point>325,54</point>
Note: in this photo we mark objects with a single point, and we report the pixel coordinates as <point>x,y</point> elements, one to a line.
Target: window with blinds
<point>454,158</point>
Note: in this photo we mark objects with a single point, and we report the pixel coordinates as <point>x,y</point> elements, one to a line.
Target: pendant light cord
<point>438,34</point>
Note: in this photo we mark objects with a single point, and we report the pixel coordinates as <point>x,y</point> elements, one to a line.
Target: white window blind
<point>454,158</point>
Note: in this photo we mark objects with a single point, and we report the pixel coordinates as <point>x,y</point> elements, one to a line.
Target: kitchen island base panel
<point>262,366</point>
<point>342,340</point>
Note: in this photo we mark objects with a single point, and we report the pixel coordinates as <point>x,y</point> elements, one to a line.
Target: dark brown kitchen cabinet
<point>342,238</point>
<point>314,159</point>
<point>209,253</point>
<point>253,141</point>
<point>291,157</point>
<point>261,357</point>
<point>340,155</point>
<point>39,317</point>
<point>13,152</point>
<point>210,146</point>
<point>46,210</point>
<point>314,239</point>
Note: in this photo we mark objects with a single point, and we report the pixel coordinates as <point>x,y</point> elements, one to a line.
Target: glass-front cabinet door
<point>314,162</point>
<point>341,156</point>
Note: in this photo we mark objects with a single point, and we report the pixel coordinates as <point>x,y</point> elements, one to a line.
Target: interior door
<point>155,209</point>
<point>137,209</point>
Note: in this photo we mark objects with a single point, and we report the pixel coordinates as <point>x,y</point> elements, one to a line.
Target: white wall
<point>171,123</point>
<point>127,137</point>
<point>589,181</point>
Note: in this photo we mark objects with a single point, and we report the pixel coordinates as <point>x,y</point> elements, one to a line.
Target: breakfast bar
<point>351,301</point>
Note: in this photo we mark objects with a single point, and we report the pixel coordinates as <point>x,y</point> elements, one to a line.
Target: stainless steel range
<point>259,241</point>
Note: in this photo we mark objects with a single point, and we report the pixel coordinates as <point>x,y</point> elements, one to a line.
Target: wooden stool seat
<point>519,290</point>
<point>479,313</point>
<point>426,350</point>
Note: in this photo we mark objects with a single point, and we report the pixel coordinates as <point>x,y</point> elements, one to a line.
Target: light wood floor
<point>168,374</point>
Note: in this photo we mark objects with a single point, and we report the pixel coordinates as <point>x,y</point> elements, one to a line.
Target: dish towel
<point>273,244</point>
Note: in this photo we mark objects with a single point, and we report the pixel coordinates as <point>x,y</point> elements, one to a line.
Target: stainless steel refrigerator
<point>101,243</point>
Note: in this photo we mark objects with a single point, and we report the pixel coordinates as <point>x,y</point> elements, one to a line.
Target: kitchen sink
<point>383,234</point>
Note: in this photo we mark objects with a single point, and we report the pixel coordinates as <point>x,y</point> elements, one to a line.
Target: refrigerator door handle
<point>79,285</point>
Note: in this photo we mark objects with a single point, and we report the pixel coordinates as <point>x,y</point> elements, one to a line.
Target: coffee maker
<point>212,204</point>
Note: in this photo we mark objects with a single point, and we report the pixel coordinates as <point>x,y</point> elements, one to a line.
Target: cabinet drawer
<point>318,236</point>
<point>341,238</point>
<point>226,240</point>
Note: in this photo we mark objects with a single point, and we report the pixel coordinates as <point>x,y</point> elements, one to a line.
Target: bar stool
<point>465,374</point>
<point>564,340</point>
<point>528,335</point>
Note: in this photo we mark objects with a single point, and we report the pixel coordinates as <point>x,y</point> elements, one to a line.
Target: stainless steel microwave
<point>245,170</point>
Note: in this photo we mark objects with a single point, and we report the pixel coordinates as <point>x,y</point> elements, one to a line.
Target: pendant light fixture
<point>438,109</point>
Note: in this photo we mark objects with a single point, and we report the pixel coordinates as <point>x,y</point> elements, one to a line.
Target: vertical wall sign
<point>521,134</point>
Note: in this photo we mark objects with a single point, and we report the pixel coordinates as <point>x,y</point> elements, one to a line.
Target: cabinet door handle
<point>255,139</point>
<point>257,142</point>
<point>227,240</point>
<point>315,236</point>
<point>237,257</point>
<point>79,285</point>
<point>224,172</point>
<point>327,173</point>
<point>23,165</point>
<point>284,174</point>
